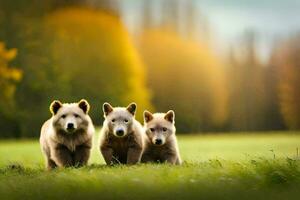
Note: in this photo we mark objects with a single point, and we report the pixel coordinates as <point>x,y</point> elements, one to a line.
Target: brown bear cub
<point>66,138</point>
<point>160,143</point>
<point>121,137</point>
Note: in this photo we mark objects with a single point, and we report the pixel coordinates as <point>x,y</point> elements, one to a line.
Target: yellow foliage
<point>96,56</point>
<point>8,75</point>
<point>7,55</point>
<point>185,75</point>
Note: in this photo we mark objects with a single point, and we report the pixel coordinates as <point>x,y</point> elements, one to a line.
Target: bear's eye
<point>164,129</point>
<point>113,120</point>
<point>126,120</point>
<point>152,129</point>
<point>75,115</point>
<point>63,116</point>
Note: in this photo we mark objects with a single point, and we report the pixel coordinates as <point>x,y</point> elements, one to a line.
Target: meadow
<point>216,166</point>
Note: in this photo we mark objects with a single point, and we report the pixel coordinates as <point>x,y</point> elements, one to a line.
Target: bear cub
<point>66,138</point>
<point>161,143</point>
<point>121,137</point>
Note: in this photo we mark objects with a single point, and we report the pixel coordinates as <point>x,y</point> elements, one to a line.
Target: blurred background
<point>222,65</point>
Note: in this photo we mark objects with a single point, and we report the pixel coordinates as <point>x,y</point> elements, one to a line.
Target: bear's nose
<point>70,126</point>
<point>120,132</point>
<point>158,141</point>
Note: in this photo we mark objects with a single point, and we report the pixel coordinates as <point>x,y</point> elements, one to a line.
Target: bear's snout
<point>70,126</point>
<point>158,141</point>
<point>120,132</point>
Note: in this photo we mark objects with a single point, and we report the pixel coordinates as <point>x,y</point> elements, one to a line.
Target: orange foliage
<point>288,63</point>
<point>8,76</point>
<point>185,76</point>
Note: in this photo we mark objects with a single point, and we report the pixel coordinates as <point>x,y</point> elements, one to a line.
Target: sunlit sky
<point>228,19</point>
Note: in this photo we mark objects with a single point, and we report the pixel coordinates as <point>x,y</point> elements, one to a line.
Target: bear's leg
<point>170,158</point>
<point>147,158</point>
<point>62,156</point>
<point>81,155</point>
<point>178,161</point>
<point>50,164</point>
<point>107,154</point>
<point>134,155</point>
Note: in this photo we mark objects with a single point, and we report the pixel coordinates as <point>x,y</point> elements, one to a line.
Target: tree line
<point>81,49</point>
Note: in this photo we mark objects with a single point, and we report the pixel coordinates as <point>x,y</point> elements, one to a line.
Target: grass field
<point>224,166</point>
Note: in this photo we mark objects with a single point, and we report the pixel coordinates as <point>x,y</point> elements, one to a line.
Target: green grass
<point>225,166</point>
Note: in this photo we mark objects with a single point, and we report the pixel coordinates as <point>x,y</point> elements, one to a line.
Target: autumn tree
<point>286,60</point>
<point>187,77</point>
<point>253,102</point>
<point>68,53</point>
<point>94,53</point>
<point>8,78</point>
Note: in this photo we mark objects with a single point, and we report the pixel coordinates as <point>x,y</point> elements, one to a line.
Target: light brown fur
<point>125,149</point>
<point>63,147</point>
<point>160,127</point>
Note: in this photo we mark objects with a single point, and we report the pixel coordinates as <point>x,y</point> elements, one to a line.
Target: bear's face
<point>159,126</point>
<point>119,120</point>
<point>70,118</point>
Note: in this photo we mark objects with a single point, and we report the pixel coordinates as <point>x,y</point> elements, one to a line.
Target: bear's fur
<point>66,138</point>
<point>160,143</point>
<point>121,137</point>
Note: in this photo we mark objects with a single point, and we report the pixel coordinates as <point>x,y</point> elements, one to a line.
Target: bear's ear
<point>84,105</point>
<point>147,116</point>
<point>131,108</point>
<point>107,108</point>
<point>170,116</point>
<point>55,106</point>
